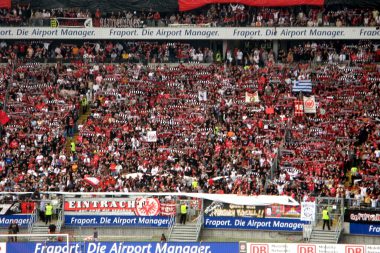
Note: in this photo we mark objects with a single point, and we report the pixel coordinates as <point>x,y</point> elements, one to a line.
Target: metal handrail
<point>199,225</point>
<point>59,220</point>
<point>171,225</point>
<point>32,220</point>
<point>338,228</point>
<point>307,230</point>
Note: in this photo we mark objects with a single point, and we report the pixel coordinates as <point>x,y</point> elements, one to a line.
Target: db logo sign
<point>354,249</point>
<point>259,248</point>
<point>3,247</point>
<point>307,249</point>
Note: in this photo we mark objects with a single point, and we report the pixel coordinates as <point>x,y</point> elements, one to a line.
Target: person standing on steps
<point>13,229</point>
<point>326,218</point>
<point>183,210</point>
<point>48,213</point>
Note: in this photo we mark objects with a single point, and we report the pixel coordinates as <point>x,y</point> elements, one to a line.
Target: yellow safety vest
<point>73,147</point>
<point>194,184</point>
<point>49,210</point>
<point>183,209</point>
<point>325,215</point>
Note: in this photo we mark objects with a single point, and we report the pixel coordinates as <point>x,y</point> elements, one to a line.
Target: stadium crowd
<point>163,52</point>
<point>218,128</point>
<point>220,15</point>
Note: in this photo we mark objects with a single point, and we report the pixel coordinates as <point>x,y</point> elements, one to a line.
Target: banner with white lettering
<point>118,247</point>
<point>192,33</point>
<point>275,224</point>
<point>125,206</point>
<point>364,229</point>
<point>362,216</point>
<point>116,221</point>
<point>21,219</point>
<point>220,209</point>
<point>308,210</point>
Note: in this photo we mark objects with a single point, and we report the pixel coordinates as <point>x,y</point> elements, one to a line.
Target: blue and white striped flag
<point>302,86</point>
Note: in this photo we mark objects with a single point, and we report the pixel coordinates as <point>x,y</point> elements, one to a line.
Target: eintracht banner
<point>309,104</point>
<point>308,211</point>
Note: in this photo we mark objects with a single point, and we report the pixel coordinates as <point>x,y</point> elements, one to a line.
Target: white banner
<point>252,97</point>
<point>202,95</point>
<point>151,136</point>
<point>310,248</point>
<point>309,104</point>
<point>186,33</point>
<point>308,211</point>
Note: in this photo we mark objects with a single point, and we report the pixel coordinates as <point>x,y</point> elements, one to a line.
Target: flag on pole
<point>309,104</point>
<point>252,97</point>
<point>302,86</point>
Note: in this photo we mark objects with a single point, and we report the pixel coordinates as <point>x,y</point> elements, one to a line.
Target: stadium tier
<point>175,121</point>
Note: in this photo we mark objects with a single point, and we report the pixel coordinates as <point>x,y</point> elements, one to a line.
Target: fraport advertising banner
<point>21,219</point>
<point>365,229</point>
<point>122,247</point>
<point>116,221</point>
<point>254,223</point>
<point>198,33</point>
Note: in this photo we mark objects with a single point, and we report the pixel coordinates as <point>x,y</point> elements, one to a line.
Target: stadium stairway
<point>186,233</point>
<point>39,227</point>
<point>82,119</point>
<point>324,236</point>
<point>318,235</point>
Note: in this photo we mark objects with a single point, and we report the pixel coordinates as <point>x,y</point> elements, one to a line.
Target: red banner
<point>126,206</point>
<point>4,119</point>
<point>185,5</point>
<point>5,4</point>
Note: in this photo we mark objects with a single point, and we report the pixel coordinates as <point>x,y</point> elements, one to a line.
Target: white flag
<point>202,95</point>
<point>151,136</point>
<point>309,104</point>
<point>308,211</point>
<point>252,97</point>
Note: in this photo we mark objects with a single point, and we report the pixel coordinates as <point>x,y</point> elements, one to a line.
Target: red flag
<point>4,119</point>
<point>269,110</point>
<point>93,181</point>
<point>298,108</point>
<point>5,4</point>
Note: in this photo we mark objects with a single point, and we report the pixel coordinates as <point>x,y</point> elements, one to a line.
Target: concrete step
<point>182,240</point>
<point>184,230</point>
<point>322,241</point>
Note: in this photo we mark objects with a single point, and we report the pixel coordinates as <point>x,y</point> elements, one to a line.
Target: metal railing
<point>59,220</point>
<point>32,220</point>
<point>199,225</point>
<point>171,225</point>
<point>306,231</point>
<point>338,228</point>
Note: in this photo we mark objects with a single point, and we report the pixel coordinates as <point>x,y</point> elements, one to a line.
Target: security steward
<point>326,218</point>
<point>183,213</point>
